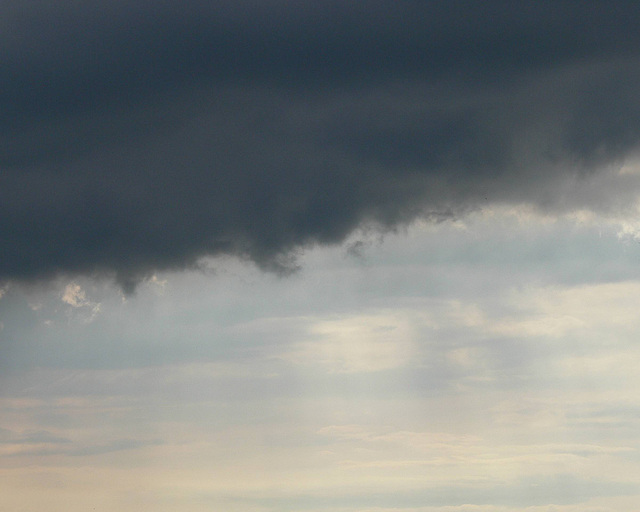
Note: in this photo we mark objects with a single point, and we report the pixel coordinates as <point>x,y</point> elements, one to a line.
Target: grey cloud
<point>113,446</point>
<point>29,438</point>
<point>57,448</point>
<point>139,136</point>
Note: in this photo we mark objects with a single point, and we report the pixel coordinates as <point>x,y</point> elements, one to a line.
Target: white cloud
<point>74,296</point>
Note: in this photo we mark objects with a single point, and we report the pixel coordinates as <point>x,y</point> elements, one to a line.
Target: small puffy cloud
<point>74,296</point>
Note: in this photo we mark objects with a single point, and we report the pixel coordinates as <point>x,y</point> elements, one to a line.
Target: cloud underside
<point>138,137</point>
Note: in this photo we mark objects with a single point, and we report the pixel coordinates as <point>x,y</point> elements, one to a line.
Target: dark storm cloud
<point>140,135</point>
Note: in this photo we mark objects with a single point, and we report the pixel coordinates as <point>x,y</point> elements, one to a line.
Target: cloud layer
<point>140,135</point>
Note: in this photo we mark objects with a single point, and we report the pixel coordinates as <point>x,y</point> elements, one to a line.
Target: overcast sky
<point>319,256</point>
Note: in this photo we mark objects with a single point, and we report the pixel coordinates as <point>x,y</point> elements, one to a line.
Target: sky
<point>323,256</point>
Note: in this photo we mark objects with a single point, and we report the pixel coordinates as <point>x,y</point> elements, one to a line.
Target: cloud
<point>550,490</point>
<point>76,297</point>
<point>65,447</point>
<point>141,136</point>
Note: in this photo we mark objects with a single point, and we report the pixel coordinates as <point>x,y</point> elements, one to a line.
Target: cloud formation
<point>138,136</point>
